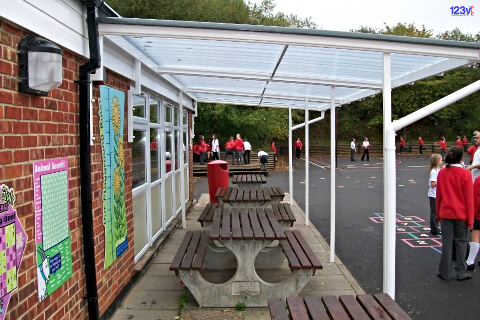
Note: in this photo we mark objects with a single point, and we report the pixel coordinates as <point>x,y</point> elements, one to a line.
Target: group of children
<point>454,194</point>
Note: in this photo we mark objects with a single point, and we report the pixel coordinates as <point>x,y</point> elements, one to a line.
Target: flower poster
<point>52,230</point>
<point>111,134</point>
<point>12,245</point>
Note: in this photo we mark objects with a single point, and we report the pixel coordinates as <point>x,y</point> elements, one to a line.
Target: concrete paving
<point>157,294</point>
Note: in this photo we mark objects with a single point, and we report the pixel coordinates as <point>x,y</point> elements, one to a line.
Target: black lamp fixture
<point>39,66</point>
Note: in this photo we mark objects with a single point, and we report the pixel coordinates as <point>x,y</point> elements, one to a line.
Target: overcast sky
<point>344,15</point>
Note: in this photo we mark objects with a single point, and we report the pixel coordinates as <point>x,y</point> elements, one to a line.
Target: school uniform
<point>298,147</point>
<point>455,212</point>
<point>238,146</point>
<point>420,145</point>
<point>366,147</point>
<point>432,195</point>
<point>215,149</point>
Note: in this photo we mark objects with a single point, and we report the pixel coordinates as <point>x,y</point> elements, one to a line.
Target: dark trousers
<point>297,153</point>
<point>443,152</point>
<point>216,155</point>
<point>203,156</point>
<point>454,232</point>
<point>433,216</point>
<point>239,156</point>
<point>366,153</point>
<point>420,148</point>
<point>263,162</point>
<point>228,152</point>
<point>246,157</point>
<point>352,154</point>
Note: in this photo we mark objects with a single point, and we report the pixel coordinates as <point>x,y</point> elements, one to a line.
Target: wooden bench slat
<point>225,230</point>
<point>190,254</point>
<point>233,194</point>
<point>236,229</point>
<point>334,308</point>
<point>276,211</point>
<point>305,263</point>
<point>291,215</point>
<point>297,308</point>
<point>266,226</point>
<point>246,228</point>
<point>353,308</point>
<point>226,194</point>
<point>218,192</point>
<point>283,212</point>
<point>308,251</point>
<point>177,260</point>
<point>277,229</point>
<point>371,306</point>
<point>266,195</point>
<point>215,230</point>
<point>277,309</point>
<point>316,309</point>
<point>239,196</point>
<point>201,250</point>
<point>201,218</point>
<point>293,262</point>
<point>392,308</point>
<point>210,214</point>
<point>257,229</point>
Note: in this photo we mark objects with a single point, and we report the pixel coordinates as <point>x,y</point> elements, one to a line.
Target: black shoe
<point>433,232</point>
<point>467,276</point>
<point>471,267</point>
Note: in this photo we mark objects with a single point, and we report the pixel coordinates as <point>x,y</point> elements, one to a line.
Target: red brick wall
<point>34,128</point>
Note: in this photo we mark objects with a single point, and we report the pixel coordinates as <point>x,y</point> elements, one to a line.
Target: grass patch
<point>241,306</point>
<point>183,302</point>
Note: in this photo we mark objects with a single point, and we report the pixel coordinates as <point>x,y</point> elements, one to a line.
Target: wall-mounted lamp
<point>39,66</point>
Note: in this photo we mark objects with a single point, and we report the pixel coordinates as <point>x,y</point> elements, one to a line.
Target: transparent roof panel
<point>216,83</point>
<point>308,90</point>
<point>208,54</point>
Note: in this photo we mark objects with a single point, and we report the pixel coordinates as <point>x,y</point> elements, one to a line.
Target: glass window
<point>168,112</point>
<point>168,199</point>
<point>185,118</point>
<point>185,143</point>
<point>156,208</point>
<point>154,108</point>
<point>138,158</point>
<point>168,152</point>
<point>178,154</point>
<point>155,160</point>
<point>175,116</point>
<point>140,223</point>
<point>139,106</point>
<point>186,184</point>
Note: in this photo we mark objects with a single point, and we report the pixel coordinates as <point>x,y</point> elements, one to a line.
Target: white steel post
<point>290,162</point>
<point>389,187</point>
<point>332,174</point>
<point>181,150</point>
<point>307,168</point>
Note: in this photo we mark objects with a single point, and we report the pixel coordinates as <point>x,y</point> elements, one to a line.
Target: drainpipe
<point>85,160</point>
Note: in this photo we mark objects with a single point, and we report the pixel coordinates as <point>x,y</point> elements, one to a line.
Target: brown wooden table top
<point>249,178</point>
<point>246,224</point>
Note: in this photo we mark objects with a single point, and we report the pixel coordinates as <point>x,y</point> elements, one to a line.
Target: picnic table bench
<point>345,307</point>
<point>249,197</point>
<point>282,212</point>
<point>249,180</point>
<point>245,234</point>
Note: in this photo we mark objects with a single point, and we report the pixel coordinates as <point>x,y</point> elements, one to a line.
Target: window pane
<point>154,154</point>
<point>185,149</point>
<point>178,154</point>
<point>186,184</point>
<point>185,118</point>
<point>168,151</point>
<point>139,223</point>
<point>168,199</point>
<point>175,116</point>
<point>168,113</point>
<point>139,106</point>
<point>138,158</point>
<point>156,208</point>
<point>154,111</point>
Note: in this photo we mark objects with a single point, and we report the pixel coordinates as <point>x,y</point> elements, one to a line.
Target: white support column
<point>389,184</point>
<point>290,155</point>
<point>181,150</point>
<point>307,166</point>
<point>332,174</point>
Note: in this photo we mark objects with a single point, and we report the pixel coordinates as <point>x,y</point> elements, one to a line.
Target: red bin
<point>217,173</point>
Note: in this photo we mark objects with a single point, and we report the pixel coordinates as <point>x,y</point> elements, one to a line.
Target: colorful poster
<point>12,245</point>
<point>111,133</point>
<point>52,230</point>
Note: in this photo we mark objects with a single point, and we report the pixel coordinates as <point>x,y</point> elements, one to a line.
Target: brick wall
<point>34,128</point>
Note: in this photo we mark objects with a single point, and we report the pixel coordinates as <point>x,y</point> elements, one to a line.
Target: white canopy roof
<point>278,67</point>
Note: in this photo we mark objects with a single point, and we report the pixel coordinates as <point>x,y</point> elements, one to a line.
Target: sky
<point>345,15</point>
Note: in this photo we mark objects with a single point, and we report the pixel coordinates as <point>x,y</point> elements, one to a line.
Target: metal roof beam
<point>265,77</point>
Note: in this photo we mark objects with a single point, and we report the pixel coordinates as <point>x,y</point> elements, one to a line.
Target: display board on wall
<point>52,230</point>
<point>111,134</point>
<point>12,245</point>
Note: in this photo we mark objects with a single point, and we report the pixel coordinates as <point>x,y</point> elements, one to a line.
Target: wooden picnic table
<point>251,180</point>
<point>244,233</point>
<point>249,197</point>
<point>345,307</point>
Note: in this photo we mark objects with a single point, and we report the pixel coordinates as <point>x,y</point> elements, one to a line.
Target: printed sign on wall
<point>52,230</point>
<point>12,245</point>
<point>111,133</point>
